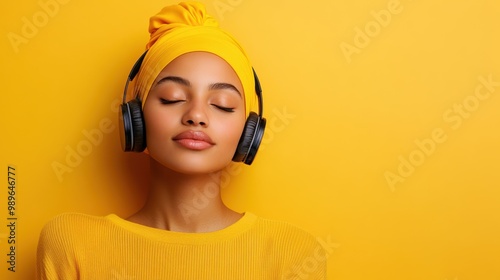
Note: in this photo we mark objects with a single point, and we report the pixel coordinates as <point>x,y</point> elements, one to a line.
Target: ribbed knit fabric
<point>79,246</point>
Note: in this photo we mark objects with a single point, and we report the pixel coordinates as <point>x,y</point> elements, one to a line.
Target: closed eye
<point>225,109</point>
<point>167,101</point>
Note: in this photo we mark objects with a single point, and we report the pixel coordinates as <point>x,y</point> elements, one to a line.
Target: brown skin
<point>178,172</point>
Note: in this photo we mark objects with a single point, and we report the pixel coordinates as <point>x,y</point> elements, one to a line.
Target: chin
<point>193,164</point>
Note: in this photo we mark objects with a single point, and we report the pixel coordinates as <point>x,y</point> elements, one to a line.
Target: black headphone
<point>133,129</point>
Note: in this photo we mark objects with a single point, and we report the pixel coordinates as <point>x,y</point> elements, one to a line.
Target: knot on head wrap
<point>182,15</point>
<point>184,28</point>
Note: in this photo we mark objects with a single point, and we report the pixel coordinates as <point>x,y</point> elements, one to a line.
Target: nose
<point>195,115</point>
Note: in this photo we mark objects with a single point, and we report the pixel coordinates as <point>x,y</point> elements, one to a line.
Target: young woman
<point>192,111</point>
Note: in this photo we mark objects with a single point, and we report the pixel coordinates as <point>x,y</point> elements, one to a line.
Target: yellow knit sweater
<point>78,246</point>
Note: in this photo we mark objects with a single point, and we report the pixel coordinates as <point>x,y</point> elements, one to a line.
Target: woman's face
<point>195,114</point>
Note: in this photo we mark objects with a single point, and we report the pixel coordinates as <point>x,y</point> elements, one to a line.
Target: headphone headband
<point>133,73</point>
<point>258,91</point>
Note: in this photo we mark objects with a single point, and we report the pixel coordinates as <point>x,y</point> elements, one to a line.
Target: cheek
<point>157,125</point>
<point>233,131</point>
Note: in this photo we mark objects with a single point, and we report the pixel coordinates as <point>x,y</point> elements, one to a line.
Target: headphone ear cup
<point>250,139</point>
<point>138,127</point>
<point>132,134</point>
<point>257,139</point>
<point>125,126</point>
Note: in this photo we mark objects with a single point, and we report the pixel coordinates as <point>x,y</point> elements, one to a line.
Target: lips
<point>194,140</point>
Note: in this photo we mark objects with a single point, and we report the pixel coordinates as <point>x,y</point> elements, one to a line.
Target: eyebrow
<point>184,82</point>
<point>174,79</point>
<point>217,86</point>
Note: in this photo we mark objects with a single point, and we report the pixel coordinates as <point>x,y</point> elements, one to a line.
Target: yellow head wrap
<point>184,28</point>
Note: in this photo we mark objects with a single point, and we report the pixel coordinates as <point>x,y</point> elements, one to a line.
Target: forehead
<point>194,62</point>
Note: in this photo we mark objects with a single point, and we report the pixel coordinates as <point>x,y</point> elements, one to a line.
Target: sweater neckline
<point>243,224</point>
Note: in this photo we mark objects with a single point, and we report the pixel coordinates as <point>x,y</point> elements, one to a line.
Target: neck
<point>184,202</point>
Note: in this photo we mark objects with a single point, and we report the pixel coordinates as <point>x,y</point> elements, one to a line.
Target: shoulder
<point>285,230</point>
<point>64,229</point>
<point>71,217</point>
<point>287,237</point>
<point>68,222</point>
<point>302,254</point>
<point>61,241</point>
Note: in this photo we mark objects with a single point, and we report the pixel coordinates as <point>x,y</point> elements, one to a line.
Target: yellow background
<point>338,122</point>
